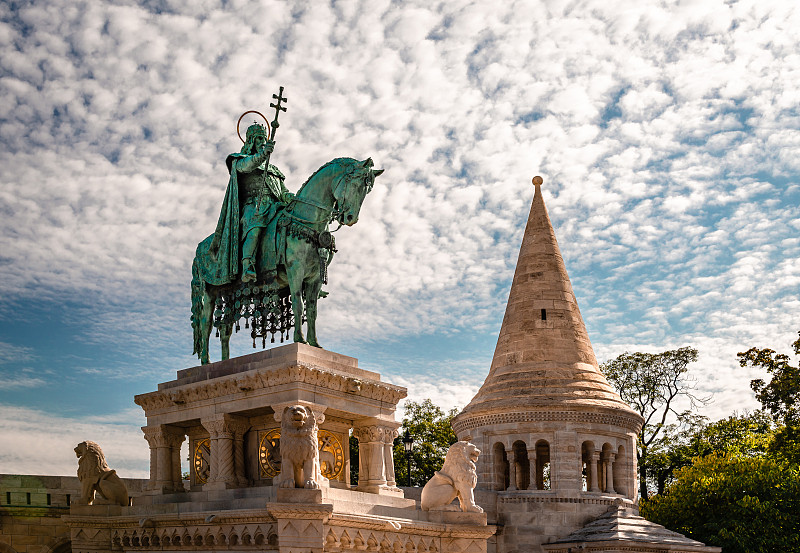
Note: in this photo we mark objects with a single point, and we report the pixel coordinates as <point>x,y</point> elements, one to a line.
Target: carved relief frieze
<point>468,423</point>
<point>255,536</point>
<point>255,380</point>
<point>255,531</point>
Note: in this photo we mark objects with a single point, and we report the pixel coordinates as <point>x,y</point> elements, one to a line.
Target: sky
<point>667,134</point>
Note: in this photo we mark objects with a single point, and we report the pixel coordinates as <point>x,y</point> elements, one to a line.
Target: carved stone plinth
<point>270,519</point>
<point>231,412</point>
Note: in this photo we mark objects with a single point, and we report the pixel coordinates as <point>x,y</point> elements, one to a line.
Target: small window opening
<point>8,498</point>
<point>544,314</point>
<point>28,498</point>
<point>68,502</point>
<point>48,499</point>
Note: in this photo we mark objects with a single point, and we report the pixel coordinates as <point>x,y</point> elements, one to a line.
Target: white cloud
<point>11,383</point>
<point>667,138</point>
<point>43,443</point>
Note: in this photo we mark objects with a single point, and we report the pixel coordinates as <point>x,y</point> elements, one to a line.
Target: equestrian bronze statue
<point>268,258</point>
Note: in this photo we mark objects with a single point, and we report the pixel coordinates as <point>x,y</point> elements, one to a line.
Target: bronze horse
<point>304,247</point>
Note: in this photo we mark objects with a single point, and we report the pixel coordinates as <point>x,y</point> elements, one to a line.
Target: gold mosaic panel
<point>201,460</point>
<point>331,454</point>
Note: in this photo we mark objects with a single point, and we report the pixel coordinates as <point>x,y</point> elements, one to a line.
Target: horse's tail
<point>198,291</point>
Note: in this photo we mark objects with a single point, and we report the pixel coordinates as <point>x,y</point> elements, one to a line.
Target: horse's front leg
<point>312,288</point>
<point>206,319</point>
<point>294,275</point>
<point>225,332</point>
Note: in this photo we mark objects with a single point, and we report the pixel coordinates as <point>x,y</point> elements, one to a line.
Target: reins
<point>332,213</point>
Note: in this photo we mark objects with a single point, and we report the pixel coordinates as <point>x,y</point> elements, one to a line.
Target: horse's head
<point>352,189</point>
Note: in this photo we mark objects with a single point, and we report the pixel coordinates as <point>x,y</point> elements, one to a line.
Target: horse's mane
<point>343,160</point>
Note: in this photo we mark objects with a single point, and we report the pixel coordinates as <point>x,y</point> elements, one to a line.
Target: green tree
<point>670,451</point>
<point>742,504</point>
<point>780,396</point>
<point>652,384</point>
<point>745,435</point>
<point>430,428</point>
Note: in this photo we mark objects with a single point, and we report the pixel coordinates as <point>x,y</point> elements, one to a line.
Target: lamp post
<point>408,444</point>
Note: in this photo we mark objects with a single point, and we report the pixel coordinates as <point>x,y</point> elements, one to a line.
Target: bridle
<point>331,214</point>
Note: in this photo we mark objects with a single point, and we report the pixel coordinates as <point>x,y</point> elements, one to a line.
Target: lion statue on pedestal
<point>299,450</point>
<point>457,478</point>
<point>95,477</point>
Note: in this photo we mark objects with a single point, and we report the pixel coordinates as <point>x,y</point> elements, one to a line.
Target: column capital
<point>224,425</point>
<point>162,435</point>
<point>376,432</point>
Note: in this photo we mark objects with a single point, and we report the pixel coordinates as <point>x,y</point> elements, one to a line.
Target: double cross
<point>278,108</point>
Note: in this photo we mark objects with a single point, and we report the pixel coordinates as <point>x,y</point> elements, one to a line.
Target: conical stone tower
<point>555,435</point>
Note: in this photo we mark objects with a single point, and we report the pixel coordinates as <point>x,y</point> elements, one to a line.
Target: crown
<point>256,129</point>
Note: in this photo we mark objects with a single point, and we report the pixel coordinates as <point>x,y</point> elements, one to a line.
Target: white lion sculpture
<point>299,450</point>
<point>457,478</point>
<point>95,476</point>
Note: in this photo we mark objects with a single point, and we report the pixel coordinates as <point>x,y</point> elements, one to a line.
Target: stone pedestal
<point>231,412</point>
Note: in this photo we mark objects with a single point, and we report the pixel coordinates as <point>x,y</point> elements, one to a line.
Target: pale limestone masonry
<point>621,530</point>
<point>230,412</point>
<point>559,444</point>
<point>232,404</point>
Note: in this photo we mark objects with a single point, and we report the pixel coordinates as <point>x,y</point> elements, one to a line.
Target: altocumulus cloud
<point>666,134</point>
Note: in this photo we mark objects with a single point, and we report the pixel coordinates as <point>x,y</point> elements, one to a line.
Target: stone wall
<point>31,508</point>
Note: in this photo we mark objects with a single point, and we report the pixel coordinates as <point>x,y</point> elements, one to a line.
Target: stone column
<point>149,435</point>
<point>370,456</point>
<point>220,429</point>
<point>512,470</point>
<point>609,461</point>
<point>165,466</point>
<point>176,440</point>
<point>388,456</point>
<point>532,466</point>
<point>375,466</point>
<point>595,458</point>
<point>240,428</point>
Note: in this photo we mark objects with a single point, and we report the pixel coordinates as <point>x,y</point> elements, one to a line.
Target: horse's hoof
<point>315,344</point>
<point>299,340</point>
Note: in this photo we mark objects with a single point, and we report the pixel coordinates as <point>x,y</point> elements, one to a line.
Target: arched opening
<point>542,465</point>
<point>588,469</point>
<point>523,467</point>
<point>500,462</point>
<point>618,468</point>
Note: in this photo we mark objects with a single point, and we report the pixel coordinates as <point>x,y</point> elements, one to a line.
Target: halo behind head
<point>239,122</point>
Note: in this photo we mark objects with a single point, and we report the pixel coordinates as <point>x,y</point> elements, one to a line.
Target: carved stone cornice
<point>408,526</point>
<point>619,419</point>
<point>299,511</point>
<point>259,379</point>
<point>233,517</point>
